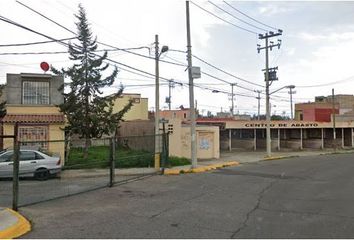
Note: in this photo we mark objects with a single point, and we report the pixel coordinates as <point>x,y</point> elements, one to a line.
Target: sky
<point>315,55</point>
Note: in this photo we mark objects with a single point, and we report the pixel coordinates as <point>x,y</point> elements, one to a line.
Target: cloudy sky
<point>315,54</point>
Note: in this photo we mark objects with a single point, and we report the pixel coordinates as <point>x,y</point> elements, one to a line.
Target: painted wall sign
<point>280,125</point>
<point>204,144</point>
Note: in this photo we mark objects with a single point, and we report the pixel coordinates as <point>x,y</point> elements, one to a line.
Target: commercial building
<point>289,135</point>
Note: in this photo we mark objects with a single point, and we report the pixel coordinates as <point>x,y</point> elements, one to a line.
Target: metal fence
<point>54,169</point>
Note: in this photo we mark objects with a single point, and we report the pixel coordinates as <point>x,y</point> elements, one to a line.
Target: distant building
<point>315,111</point>
<point>182,114</point>
<point>139,110</point>
<point>345,101</point>
<point>322,109</point>
<point>31,101</point>
<point>235,116</point>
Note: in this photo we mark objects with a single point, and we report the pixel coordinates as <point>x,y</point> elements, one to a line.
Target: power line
<point>237,17</point>
<point>328,84</point>
<point>247,30</point>
<point>244,14</point>
<point>34,53</point>
<point>65,44</point>
<point>42,15</point>
<point>227,73</point>
<point>104,44</point>
<point>33,43</point>
<point>130,68</point>
<point>31,30</point>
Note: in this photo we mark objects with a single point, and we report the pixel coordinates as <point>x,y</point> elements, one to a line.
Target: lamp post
<point>269,149</point>
<point>291,92</point>
<point>157,98</point>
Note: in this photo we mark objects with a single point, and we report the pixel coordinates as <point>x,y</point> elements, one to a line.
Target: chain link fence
<point>54,169</point>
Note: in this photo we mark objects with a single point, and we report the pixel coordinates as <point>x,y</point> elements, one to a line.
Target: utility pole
<point>157,104</point>
<point>259,104</point>
<point>267,80</point>
<point>191,92</point>
<point>291,92</point>
<point>232,99</point>
<point>157,99</point>
<point>334,122</point>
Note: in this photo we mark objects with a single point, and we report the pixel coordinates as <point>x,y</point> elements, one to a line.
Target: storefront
<point>294,135</point>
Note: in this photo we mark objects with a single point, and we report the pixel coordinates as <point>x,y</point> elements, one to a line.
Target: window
<point>27,155</point>
<point>36,136</point>
<point>6,157</point>
<point>39,156</point>
<point>184,115</point>
<point>35,92</point>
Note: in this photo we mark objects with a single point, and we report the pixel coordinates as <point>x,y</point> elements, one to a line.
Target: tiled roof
<point>34,118</point>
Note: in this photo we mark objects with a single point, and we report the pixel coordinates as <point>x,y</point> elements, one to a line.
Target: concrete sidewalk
<point>12,224</point>
<point>236,157</point>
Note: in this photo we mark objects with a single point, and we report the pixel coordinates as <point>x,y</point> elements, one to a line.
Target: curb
<point>278,157</point>
<point>21,226</point>
<point>273,158</point>
<point>200,169</point>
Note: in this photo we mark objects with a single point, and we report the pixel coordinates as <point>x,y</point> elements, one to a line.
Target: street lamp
<point>268,140</point>
<point>288,86</point>
<point>157,98</point>
<point>291,92</point>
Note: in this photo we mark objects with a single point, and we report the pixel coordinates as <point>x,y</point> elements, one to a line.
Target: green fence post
<point>16,166</point>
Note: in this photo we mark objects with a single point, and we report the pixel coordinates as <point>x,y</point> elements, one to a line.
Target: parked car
<point>32,164</point>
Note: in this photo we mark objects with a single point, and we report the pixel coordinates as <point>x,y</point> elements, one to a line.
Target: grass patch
<point>178,161</point>
<point>98,157</point>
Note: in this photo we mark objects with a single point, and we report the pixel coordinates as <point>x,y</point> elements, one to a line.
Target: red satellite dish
<point>44,66</point>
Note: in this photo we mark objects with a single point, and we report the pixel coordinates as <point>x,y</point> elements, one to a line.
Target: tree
<point>88,113</point>
<point>2,104</point>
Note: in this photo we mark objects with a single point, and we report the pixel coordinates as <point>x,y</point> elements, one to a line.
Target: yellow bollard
<point>157,161</point>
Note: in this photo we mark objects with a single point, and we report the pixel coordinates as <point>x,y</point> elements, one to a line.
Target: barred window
<point>36,136</point>
<point>35,92</point>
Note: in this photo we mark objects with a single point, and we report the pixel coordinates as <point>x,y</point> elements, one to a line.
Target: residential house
<point>31,101</point>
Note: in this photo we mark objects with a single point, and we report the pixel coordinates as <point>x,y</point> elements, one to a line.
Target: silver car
<point>32,164</point>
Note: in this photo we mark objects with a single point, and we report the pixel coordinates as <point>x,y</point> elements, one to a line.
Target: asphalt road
<point>33,191</point>
<point>307,197</point>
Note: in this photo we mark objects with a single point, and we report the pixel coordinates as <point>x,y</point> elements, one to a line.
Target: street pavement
<point>82,180</point>
<point>298,197</point>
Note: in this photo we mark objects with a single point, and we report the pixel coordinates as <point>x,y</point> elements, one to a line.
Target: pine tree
<point>89,114</point>
<point>2,104</point>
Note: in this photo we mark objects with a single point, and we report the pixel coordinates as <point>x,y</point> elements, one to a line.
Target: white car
<point>32,164</point>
